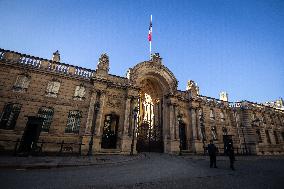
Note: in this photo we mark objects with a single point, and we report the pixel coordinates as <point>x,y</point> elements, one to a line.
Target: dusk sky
<point>234,46</point>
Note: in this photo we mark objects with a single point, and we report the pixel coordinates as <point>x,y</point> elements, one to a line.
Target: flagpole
<point>150,42</point>
<point>150,48</point>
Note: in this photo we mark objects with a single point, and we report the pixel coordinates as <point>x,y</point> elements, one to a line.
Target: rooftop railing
<point>44,64</point>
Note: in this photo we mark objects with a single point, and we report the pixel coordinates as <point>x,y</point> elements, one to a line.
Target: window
<point>52,89</point>
<point>259,139</point>
<point>222,116</point>
<point>47,114</point>
<point>212,117</point>
<point>80,92</point>
<point>267,137</point>
<point>22,83</point>
<point>9,116</point>
<point>214,133</point>
<point>276,137</point>
<point>73,121</point>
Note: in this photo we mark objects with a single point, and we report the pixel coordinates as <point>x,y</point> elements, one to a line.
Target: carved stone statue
<point>224,96</point>
<point>193,88</point>
<point>156,58</point>
<point>56,56</point>
<point>104,62</point>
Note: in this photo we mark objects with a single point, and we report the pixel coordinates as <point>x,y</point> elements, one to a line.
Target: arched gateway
<point>154,81</point>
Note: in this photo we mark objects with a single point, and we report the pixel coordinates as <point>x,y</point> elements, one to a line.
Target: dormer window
<point>22,83</point>
<point>52,89</point>
<point>80,92</point>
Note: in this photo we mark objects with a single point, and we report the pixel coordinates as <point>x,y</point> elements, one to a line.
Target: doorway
<point>109,137</point>
<point>31,134</point>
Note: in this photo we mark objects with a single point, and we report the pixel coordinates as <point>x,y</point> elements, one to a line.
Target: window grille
<point>9,116</point>
<point>47,114</point>
<point>73,121</point>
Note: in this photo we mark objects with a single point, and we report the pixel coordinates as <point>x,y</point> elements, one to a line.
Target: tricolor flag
<point>150,31</point>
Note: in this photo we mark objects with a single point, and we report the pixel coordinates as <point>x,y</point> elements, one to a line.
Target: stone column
<point>193,122</point>
<point>172,122</point>
<point>127,131</point>
<point>90,114</point>
<point>176,125</point>
<point>100,118</point>
<point>126,116</point>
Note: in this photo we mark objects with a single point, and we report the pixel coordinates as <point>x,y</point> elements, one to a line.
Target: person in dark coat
<point>212,151</point>
<point>230,153</point>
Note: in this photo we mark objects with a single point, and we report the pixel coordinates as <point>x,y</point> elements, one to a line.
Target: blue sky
<point>234,46</point>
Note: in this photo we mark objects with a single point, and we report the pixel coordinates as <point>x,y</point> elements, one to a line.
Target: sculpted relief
<point>115,101</point>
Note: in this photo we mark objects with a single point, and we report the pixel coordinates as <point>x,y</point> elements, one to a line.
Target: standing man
<point>231,154</point>
<point>212,150</point>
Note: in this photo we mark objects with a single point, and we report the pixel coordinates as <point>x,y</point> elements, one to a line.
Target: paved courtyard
<point>154,170</point>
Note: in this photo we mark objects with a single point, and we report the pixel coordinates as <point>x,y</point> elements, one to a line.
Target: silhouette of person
<point>230,153</point>
<point>212,150</point>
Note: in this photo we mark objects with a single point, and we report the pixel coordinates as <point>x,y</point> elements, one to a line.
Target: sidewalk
<point>238,158</point>
<point>47,162</point>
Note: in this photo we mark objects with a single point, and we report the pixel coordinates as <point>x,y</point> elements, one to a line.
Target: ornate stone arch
<point>155,71</point>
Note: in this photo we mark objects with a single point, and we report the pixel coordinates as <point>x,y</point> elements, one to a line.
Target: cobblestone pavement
<point>154,171</point>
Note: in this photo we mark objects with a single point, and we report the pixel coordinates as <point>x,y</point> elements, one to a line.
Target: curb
<point>59,165</point>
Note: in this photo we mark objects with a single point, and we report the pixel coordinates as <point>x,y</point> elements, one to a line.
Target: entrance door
<point>31,134</point>
<point>149,138</point>
<point>109,137</point>
<point>182,136</point>
<point>149,135</point>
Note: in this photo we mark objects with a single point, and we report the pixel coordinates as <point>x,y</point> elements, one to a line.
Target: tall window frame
<point>73,121</point>
<point>10,116</point>
<point>47,114</point>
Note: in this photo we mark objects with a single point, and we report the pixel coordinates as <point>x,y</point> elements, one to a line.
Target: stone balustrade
<point>44,64</point>
<point>207,99</point>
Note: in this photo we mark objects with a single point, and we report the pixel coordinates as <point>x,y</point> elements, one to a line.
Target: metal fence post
<point>61,147</point>
<point>16,146</point>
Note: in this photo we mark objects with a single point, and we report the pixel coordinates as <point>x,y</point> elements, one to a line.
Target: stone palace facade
<point>46,103</point>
